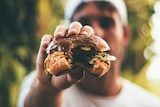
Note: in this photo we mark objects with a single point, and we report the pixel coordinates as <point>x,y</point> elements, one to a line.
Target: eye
<point>84,21</point>
<point>106,22</point>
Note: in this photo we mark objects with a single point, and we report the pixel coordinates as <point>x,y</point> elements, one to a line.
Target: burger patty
<point>81,55</point>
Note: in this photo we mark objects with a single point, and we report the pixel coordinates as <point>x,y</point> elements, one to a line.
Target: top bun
<point>78,40</point>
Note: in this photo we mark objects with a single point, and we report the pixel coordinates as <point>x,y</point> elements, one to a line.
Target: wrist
<point>46,85</point>
<point>42,95</point>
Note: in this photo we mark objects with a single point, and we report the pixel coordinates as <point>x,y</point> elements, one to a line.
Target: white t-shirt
<point>131,95</point>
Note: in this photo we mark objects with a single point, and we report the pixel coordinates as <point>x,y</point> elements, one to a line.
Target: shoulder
<point>25,87</point>
<point>140,95</point>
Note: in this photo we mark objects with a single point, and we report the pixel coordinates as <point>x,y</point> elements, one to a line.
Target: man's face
<point>107,25</point>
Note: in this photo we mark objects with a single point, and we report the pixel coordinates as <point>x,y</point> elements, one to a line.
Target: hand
<point>75,74</point>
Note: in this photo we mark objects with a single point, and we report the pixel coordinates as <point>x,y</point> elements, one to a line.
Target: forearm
<point>43,95</point>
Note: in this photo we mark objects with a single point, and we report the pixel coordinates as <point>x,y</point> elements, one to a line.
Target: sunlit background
<point>153,72</point>
<point>23,22</point>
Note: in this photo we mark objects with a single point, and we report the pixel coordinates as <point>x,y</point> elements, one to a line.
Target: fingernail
<point>77,73</point>
<point>72,31</point>
<point>58,34</point>
<point>75,70</point>
<point>84,33</point>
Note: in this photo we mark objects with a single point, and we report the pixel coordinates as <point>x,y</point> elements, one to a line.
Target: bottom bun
<point>98,69</point>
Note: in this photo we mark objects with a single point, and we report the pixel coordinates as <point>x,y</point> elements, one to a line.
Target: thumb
<point>76,74</point>
<point>66,80</point>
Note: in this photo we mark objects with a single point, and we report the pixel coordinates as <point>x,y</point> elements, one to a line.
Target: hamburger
<point>91,53</point>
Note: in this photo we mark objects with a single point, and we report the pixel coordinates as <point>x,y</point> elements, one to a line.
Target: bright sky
<point>153,72</point>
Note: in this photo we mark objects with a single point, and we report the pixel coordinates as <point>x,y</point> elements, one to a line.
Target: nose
<point>98,30</point>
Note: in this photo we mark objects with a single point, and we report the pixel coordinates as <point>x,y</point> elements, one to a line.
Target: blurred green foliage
<point>18,45</point>
<point>23,22</point>
<point>135,65</point>
<point>139,18</point>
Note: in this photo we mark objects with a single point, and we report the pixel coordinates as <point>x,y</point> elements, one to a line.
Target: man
<point>107,19</point>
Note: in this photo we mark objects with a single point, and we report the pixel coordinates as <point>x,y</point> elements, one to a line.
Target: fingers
<point>74,29</point>
<point>46,39</point>
<point>87,30</point>
<point>60,31</point>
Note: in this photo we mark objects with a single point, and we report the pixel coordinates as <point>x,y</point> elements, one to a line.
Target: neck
<point>108,85</point>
